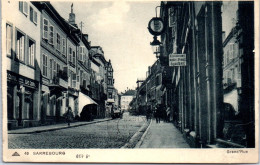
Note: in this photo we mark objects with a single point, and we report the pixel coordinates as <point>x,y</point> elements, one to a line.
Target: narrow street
<point>109,134</point>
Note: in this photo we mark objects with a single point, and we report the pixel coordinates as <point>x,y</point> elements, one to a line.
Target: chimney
<point>72,16</point>
<point>85,36</point>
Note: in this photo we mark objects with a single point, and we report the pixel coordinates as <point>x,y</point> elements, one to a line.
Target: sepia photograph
<point>130,81</point>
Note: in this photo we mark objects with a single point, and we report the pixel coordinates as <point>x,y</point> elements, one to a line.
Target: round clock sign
<point>156,26</point>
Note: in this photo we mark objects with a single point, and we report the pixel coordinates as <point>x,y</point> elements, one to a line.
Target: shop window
<point>45,28</point>
<point>23,7</point>
<point>20,46</point>
<point>31,52</point>
<point>10,105</point>
<point>58,42</point>
<point>33,15</point>
<point>28,105</point>
<point>45,65</point>
<point>9,39</point>
<point>51,36</point>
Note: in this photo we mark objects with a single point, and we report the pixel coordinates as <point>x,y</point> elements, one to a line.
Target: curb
<point>63,127</point>
<point>141,131</point>
<point>142,138</point>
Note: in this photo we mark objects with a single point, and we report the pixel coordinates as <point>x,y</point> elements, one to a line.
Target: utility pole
<point>81,25</point>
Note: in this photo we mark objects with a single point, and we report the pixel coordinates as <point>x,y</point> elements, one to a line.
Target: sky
<point>120,28</point>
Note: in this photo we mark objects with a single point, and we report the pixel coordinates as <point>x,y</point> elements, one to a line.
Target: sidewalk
<point>54,127</point>
<point>162,135</point>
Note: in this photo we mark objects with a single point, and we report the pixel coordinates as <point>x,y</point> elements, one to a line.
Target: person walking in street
<point>148,113</point>
<point>69,116</point>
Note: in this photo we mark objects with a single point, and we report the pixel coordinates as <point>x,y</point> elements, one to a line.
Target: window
<point>74,58</point>
<point>58,41</point>
<point>45,28</point>
<point>70,54</point>
<point>58,68</point>
<point>81,77</point>
<point>31,52</point>
<point>33,15</point>
<point>81,53</point>
<point>74,79</point>
<point>227,57</point>
<point>231,51</point>
<point>51,68</point>
<point>8,39</point>
<point>54,69</point>
<point>45,65</point>
<point>20,46</point>
<point>51,40</point>
<point>23,7</point>
<point>63,46</point>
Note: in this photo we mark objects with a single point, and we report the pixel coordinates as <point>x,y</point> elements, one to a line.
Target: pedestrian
<point>157,115</point>
<point>69,116</point>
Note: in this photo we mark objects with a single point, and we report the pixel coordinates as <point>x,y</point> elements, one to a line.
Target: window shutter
<point>8,39</point>
<point>45,28</point>
<point>51,76</point>
<point>25,7</point>
<point>31,14</point>
<point>35,17</point>
<point>21,6</point>
<point>22,48</point>
<point>80,53</point>
<point>63,46</point>
<point>32,54</point>
<point>51,35</point>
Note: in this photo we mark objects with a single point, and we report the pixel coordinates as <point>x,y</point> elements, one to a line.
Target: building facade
<point>99,86</point>
<point>49,66</point>
<point>22,57</point>
<point>207,92</point>
<point>126,98</point>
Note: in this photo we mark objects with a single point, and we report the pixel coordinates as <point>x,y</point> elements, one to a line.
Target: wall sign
<point>177,60</point>
<point>16,78</point>
<point>156,26</point>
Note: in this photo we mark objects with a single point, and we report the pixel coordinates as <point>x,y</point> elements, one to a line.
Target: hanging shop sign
<point>172,19</point>
<point>156,26</point>
<point>177,60</point>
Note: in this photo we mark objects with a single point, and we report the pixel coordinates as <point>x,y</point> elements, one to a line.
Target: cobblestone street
<point>108,134</point>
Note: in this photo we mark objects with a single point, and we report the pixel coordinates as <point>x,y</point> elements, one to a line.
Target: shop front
<point>22,101</point>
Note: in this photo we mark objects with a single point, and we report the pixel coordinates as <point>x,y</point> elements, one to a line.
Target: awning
<point>84,100</point>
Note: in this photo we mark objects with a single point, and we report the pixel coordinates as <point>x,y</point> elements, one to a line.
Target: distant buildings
<point>126,98</point>
<point>50,66</point>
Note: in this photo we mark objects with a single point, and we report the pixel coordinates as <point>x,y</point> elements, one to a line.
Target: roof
<point>129,93</point>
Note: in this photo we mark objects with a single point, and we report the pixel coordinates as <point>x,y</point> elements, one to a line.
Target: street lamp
<point>156,27</point>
